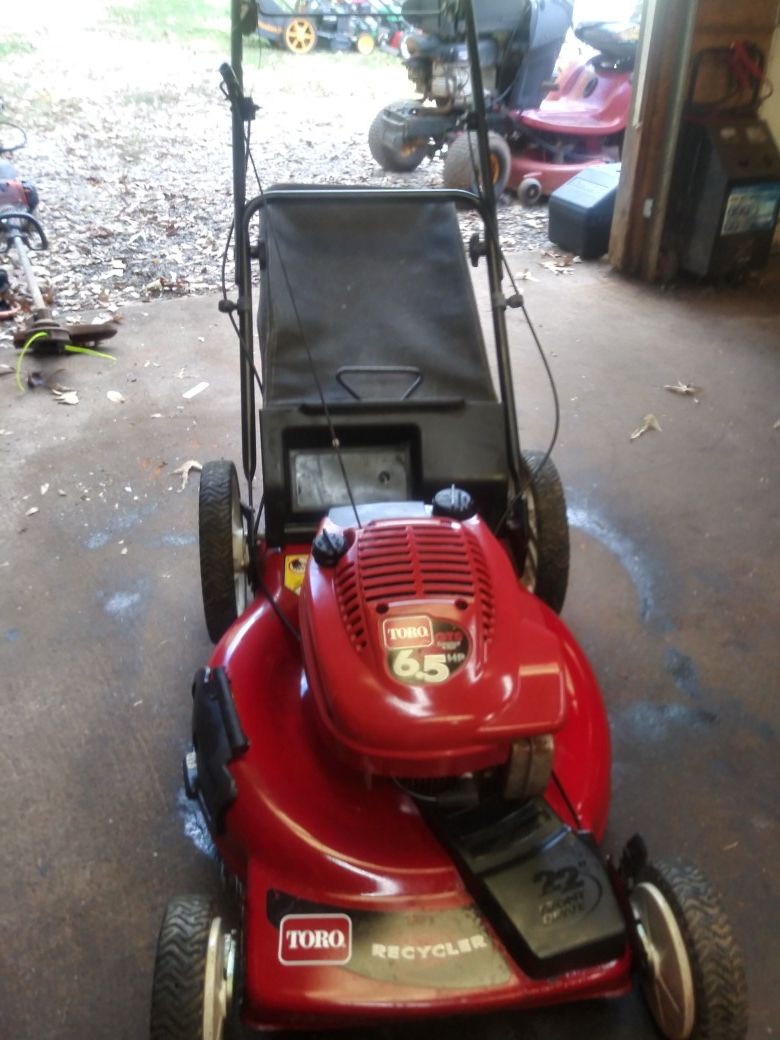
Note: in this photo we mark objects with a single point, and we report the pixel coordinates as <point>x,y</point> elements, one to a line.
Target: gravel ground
<point>129,147</point>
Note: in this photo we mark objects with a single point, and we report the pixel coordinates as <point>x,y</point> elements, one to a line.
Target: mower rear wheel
<point>545,556</point>
<point>403,159</point>
<point>693,976</point>
<point>365,43</point>
<point>224,547</point>
<point>192,993</point>
<point>300,35</point>
<point>462,161</point>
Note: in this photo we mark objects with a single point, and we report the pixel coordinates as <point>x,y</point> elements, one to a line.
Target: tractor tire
<point>186,981</point>
<point>462,160</point>
<point>542,558</point>
<point>394,160</point>
<point>224,550</point>
<point>694,976</point>
<point>300,35</point>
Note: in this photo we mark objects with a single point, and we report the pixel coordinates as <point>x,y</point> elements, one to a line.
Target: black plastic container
<point>581,211</point>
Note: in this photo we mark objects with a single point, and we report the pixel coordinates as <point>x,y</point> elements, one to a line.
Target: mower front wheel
<point>192,993</point>
<point>462,162</point>
<point>402,159</point>
<point>541,551</point>
<point>224,547</point>
<point>693,974</point>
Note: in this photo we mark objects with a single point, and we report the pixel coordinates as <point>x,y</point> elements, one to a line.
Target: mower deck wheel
<point>224,547</point>
<point>693,976</point>
<point>193,974</point>
<point>403,159</point>
<point>545,561</point>
<point>462,162</point>
<point>529,191</point>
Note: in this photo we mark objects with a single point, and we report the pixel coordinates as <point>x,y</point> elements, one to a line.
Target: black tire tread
<point>459,165</point>
<point>388,158</point>
<point>553,550</point>
<point>720,987</point>
<point>216,546</point>
<point>179,972</point>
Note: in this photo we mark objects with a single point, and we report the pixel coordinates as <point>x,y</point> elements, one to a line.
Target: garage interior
<point>673,595</point>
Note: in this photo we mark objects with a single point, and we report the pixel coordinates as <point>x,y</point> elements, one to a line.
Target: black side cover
<point>217,738</point>
<point>543,887</point>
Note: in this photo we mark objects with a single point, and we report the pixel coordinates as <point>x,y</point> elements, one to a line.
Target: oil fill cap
<point>328,547</point>
<point>453,502</point>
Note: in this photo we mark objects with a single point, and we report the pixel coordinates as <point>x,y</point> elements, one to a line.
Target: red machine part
<point>588,108</point>
<point>309,835</point>
<point>425,656</point>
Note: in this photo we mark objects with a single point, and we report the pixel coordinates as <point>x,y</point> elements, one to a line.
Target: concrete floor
<point>676,559</point>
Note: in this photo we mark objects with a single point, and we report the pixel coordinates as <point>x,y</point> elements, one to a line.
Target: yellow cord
<point>28,343</point>
<point>69,348</point>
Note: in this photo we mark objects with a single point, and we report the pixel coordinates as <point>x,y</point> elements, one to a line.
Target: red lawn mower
<point>400,750</point>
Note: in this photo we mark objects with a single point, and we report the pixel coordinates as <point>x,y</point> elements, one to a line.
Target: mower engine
<point>440,72</point>
<point>15,195</point>
<point>428,663</point>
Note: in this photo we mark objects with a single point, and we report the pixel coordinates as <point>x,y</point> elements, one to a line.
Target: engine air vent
<point>425,561</point>
<point>350,603</point>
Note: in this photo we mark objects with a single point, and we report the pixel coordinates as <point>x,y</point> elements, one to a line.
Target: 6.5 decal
<point>422,650</point>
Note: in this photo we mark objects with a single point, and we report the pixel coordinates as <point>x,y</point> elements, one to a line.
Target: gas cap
<point>453,502</point>
<point>328,547</point>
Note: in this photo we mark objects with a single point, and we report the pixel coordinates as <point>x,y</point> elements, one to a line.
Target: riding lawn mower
<point>400,750</point>
<point>542,130</point>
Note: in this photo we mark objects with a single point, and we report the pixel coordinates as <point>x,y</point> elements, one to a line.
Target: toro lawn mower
<point>400,750</point>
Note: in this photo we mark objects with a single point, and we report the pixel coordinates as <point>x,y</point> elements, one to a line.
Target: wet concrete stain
<point>120,523</point>
<point>684,673</point>
<point>179,539</point>
<point>633,562</point>
<point>125,604</point>
<point>195,827</point>
<point>658,722</point>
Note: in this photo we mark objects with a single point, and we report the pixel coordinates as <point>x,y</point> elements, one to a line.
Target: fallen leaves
<point>66,396</point>
<point>648,423</point>
<point>184,471</point>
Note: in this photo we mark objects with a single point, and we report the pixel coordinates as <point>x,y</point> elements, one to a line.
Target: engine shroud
<point>425,655</point>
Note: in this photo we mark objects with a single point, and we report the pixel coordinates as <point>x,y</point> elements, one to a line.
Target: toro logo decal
<point>407,633</point>
<point>306,939</point>
<point>424,650</point>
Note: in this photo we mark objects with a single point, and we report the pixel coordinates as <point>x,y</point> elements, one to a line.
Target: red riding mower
<point>400,750</point>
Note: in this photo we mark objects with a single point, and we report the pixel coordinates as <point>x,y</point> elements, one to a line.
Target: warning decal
<point>294,570</point>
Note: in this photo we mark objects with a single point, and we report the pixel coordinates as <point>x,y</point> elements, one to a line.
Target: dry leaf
<point>648,423</point>
<point>115,397</point>
<point>683,388</point>
<point>184,471</point>
<point>66,396</point>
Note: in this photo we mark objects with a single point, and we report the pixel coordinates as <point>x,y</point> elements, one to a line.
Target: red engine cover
<point>425,655</point>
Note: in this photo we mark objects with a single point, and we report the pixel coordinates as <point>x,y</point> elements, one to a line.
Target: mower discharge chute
<point>400,750</point>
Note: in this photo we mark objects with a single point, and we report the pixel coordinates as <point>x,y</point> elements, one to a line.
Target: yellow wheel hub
<point>300,35</point>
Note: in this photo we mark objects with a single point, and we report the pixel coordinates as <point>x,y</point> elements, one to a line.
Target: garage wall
<point>678,30</point>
